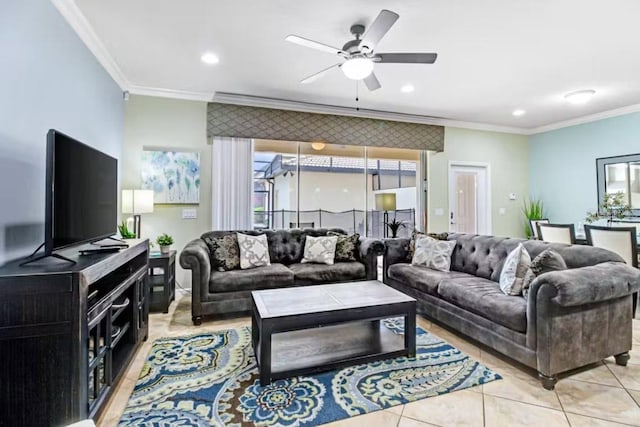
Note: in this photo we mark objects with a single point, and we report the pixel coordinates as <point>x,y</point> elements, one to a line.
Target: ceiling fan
<point>359,53</point>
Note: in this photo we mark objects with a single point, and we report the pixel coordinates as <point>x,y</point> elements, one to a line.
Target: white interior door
<point>469,205</point>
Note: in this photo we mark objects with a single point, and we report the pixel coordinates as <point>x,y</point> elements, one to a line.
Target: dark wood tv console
<point>67,333</point>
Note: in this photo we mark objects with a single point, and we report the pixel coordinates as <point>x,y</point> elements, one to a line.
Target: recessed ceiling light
<point>519,112</point>
<point>408,88</point>
<point>210,58</point>
<point>580,96</point>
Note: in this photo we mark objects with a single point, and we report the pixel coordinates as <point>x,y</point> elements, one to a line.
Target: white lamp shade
<point>137,201</point>
<point>357,68</point>
<point>386,202</point>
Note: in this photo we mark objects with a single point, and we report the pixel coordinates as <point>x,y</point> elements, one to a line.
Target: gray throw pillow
<point>432,253</point>
<point>224,252</point>
<point>514,270</point>
<point>548,260</point>
<point>347,246</point>
<point>321,250</point>
<point>254,251</point>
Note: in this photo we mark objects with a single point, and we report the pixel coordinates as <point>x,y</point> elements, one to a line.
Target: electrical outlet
<point>189,213</point>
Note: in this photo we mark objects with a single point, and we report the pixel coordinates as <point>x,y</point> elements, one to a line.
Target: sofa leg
<point>622,359</point>
<point>548,382</point>
<point>197,320</point>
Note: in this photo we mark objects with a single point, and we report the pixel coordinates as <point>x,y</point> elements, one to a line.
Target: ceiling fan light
<point>357,68</point>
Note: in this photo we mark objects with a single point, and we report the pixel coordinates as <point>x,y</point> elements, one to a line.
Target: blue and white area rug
<point>211,379</point>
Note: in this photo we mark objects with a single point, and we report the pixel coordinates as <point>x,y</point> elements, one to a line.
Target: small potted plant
<point>394,225</point>
<point>164,241</point>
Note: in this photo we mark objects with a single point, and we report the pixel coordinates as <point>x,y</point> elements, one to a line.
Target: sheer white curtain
<point>232,189</point>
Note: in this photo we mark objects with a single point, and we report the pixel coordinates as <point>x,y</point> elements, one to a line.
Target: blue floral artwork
<point>173,176</point>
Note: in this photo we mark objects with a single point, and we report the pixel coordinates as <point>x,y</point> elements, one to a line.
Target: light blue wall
<point>48,79</point>
<point>563,163</point>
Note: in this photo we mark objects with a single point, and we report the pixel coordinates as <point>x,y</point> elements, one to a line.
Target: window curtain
<point>232,186</point>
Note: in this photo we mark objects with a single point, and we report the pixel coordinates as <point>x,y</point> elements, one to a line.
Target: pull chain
<point>357,98</point>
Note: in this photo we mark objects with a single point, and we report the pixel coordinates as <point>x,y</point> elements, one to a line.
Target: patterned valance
<point>267,123</point>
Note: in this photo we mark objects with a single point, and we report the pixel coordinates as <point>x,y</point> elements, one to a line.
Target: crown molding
<point>258,101</point>
<point>76,19</point>
<point>586,119</point>
<point>170,93</point>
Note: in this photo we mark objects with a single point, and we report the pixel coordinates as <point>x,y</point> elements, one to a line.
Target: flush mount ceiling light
<point>580,96</point>
<point>408,88</point>
<point>318,145</point>
<point>210,58</point>
<point>519,112</point>
<point>357,68</point>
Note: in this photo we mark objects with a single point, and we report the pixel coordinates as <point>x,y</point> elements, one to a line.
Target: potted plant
<point>532,210</point>
<point>394,225</point>
<point>164,241</point>
<point>613,206</point>
<point>124,231</point>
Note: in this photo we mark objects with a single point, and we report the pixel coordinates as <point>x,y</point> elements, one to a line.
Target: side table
<point>162,281</point>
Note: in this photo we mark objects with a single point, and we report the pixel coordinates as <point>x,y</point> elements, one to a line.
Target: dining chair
<point>557,233</point>
<point>621,240</point>
<point>533,225</point>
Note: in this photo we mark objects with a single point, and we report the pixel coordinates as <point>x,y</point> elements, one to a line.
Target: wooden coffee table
<point>311,329</point>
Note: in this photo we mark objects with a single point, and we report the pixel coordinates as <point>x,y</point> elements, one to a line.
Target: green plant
<point>532,209</point>
<point>394,225</point>
<point>125,232</point>
<point>613,206</point>
<point>164,240</point>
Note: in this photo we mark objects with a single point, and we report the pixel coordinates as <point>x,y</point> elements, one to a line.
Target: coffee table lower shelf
<point>326,348</point>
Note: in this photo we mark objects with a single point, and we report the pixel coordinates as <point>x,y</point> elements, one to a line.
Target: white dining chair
<point>533,225</point>
<point>557,233</point>
<point>621,240</point>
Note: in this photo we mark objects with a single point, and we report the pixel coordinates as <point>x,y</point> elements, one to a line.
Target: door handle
<point>451,218</point>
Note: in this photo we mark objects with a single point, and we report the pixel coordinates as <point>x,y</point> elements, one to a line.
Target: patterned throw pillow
<point>548,260</point>
<point>416,233</point>
<point>254,251</point>
<point>514,269</point>
<point>321,250</point>
<point>347,246</point>
<point>432,253</point>
<point>224,252</point>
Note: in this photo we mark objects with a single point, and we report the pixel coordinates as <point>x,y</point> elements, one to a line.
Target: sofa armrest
<point>396,252</point>
<point>596,283</point>
<point>369,251</point>
<point>195,257</point>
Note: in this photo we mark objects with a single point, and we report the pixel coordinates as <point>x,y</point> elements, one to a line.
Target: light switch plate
<point>502,211</point>
<point>438,212</point>
<point>189,213</point>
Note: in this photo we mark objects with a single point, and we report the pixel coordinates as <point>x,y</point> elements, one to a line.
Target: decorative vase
<point>165,249</point>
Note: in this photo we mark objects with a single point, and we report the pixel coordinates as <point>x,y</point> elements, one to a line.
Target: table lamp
<point>137,202</point>
<point>386,202</point>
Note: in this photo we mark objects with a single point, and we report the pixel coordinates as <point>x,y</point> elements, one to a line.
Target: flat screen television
<point>81,193</point>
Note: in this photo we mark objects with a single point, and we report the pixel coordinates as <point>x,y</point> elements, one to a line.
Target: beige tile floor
<point>603,395</point>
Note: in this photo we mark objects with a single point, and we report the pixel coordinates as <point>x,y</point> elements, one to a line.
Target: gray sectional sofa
<point>571,318</point>
<point>217,292</point>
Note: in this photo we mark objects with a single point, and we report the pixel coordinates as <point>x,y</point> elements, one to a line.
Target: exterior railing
<point>351,221</point>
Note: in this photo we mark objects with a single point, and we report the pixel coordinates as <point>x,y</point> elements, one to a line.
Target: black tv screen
<point>82,193</point>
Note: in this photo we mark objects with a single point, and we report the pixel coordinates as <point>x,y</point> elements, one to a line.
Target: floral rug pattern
<point>211,379</point>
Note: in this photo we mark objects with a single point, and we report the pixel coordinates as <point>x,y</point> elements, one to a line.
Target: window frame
<point>601,174</point>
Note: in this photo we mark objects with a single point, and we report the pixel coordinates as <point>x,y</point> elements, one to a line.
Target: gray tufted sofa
<point>216,292</point>
<point>572,318</point>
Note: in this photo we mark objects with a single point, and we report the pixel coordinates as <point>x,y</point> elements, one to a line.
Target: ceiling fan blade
<point>313,44</point>
<point>371,82</point>
<point>312,78</point>
<point>406,58</point>
<point>378,29</point>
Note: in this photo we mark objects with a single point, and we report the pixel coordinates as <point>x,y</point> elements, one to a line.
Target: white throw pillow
<point>321,250</point>
<point>514,269</point>
<point>254,251</point>
<point>432,253</point>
